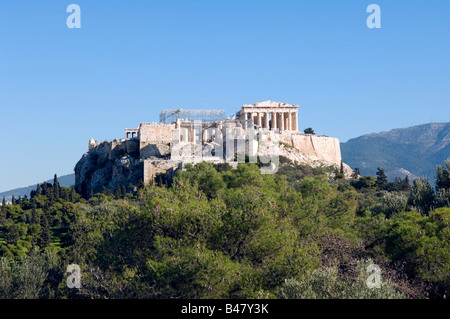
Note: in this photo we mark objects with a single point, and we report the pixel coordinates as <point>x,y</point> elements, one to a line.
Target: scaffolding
<point>209,116</point>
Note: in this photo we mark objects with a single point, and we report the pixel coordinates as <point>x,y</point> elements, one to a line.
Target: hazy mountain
<point>406,151</point>
<point>66,180</point>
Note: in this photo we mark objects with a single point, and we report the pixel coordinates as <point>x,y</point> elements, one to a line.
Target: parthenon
<point>270,115</point>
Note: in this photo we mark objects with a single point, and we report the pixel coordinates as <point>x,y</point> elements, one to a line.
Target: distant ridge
<point>65,180</point>
<point>414,151</point>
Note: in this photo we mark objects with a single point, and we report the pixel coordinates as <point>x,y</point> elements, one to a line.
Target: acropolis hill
<point>190,136</point>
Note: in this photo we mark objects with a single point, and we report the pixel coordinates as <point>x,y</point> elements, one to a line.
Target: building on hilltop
<point>191,136</point>
<point>269,115</point>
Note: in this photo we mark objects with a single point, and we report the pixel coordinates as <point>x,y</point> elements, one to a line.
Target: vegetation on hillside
<point>218,232</point>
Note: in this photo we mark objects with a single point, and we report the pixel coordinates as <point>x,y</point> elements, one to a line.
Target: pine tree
<point>13,200</point>
<point>46,235</point>
<point>44,188</point>
<point>443,177</point>
<point>356,173</point>
<point>382,180</point>
<point>405,186</point>
<point>124,191</point>
<point>50,196</point>
<point>422,195</point>
<point>38,190</point>
<point>3,211</point>
<point>117,193</point>
<point>91,194</point>
<point>107,191</point>
<point>56,188</point>
<point>34,216</point>
<point>309,130</point>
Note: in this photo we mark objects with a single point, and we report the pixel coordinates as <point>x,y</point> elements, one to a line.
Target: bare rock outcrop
<point>104,167</point>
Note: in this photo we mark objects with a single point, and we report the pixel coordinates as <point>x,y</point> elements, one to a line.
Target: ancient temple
<point>270,115</point>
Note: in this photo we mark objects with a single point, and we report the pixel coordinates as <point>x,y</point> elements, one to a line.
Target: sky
<point>132,59</point>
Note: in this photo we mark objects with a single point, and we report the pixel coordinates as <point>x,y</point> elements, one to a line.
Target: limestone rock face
<point>131,162</point>
<point>312,150</point>
<point>96,170</point>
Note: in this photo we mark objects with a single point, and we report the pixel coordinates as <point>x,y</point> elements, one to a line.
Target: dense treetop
<point>217,232</point>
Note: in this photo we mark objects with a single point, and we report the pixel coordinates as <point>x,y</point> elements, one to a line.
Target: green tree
<point>3,211</point>
<point>327,284</point>
<point>422,243</point>
<point>365,182</point>
<point>56,187</point>
<point>117,193</point>
<point>44,188</point>
<point>45,237</point>
<point>26,279</point>
<point>405,184</point>
<point>443,198</point>
<point>356,173</point>
<point>35,219</point>
<point>443,177</point>
<point>382,180</point>
<point>391,203</point>
<point>422,195</point>
<point>309,130</point>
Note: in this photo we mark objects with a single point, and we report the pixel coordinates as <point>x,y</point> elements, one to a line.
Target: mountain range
<point>413,151</point>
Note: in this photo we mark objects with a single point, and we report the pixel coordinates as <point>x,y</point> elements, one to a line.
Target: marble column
<point>259,119</point>
<point>282,121</point>
<point>274,120</point>
<point>266,120</point>
<point>295,128</point>
<point>191,132</point>
<point>289,126</point>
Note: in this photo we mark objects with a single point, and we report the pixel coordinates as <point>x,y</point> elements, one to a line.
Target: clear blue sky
<point>132,59</point>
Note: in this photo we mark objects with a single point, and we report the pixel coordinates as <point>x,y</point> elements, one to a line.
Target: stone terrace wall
<point>156,133</point>
<point>154,167</point>
<point>155,139</point>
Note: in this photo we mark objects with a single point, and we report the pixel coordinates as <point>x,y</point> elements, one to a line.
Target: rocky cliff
<point>312,150</point>
<point>114,164</point>
<point>108,164</point>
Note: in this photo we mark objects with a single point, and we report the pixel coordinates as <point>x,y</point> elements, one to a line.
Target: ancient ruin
<point>270,115</point>
<point>267,129</point>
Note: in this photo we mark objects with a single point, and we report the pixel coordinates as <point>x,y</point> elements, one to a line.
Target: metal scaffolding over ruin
<point>170,116</point>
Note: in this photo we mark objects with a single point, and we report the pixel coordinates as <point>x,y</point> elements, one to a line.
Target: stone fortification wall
<point>157,133</point>
<point>152,167</point>
<point>155,139</point>
<point>109,150</point>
